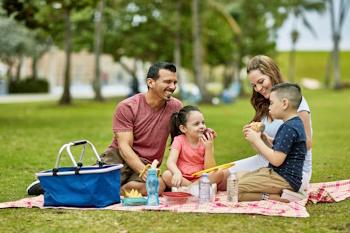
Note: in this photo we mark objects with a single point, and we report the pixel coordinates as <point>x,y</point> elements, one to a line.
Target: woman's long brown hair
<point>269,68</point>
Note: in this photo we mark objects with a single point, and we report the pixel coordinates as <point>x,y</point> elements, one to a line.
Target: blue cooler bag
<point>81,186</point>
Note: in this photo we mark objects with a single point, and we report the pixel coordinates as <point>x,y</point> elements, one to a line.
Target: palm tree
<point>177,49</point>
<point>197,49</point>
<point>336,36</point>
<point>98,45</point>
<point>298,9</point>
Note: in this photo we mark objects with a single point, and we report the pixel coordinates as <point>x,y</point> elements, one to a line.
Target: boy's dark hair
<point>153,71</point>
<point>290,91</point>
<point>180,118</point>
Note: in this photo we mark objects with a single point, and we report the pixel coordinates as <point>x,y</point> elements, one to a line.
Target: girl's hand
<point>207,139</point>
<point>176,180</point>
<point>210,130</point>
<point>251,135</point>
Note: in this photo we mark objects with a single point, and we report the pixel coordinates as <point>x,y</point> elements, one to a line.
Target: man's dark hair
<point>153,71</point>
<point>291,91</point>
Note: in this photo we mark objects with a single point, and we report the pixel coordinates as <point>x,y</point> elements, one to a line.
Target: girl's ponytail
<point>174,126</point>
<point>179,118</point>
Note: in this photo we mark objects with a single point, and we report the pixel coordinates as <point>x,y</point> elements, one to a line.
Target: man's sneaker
<point>35,188</point>
<point>292,196</point>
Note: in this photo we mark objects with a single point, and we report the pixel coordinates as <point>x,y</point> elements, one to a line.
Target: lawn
<point>312,64</point>
<point>31,134</point>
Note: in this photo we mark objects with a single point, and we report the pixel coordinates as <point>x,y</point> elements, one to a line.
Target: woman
<point>263,73</point>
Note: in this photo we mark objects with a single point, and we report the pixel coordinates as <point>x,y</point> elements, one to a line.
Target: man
<point>141,126</point>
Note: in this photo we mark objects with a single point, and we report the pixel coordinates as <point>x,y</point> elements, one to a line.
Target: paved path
<point>25,98</point>
<point>77,92</point>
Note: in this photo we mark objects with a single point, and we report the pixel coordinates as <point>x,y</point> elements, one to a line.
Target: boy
<point>287,155</point>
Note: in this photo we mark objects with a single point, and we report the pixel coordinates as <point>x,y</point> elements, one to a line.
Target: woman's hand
<point>176,180</point>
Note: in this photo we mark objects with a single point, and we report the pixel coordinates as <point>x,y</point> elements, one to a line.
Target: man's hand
<point>143,172</point>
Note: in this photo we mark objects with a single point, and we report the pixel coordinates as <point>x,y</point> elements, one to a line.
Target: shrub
<point>29,85</point>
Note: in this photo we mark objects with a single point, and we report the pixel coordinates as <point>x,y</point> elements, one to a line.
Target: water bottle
<point>152,186</point>
<point>204,189</point>
<point>232,188</point>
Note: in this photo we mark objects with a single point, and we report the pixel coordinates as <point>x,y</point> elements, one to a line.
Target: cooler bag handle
<point>77,143</point>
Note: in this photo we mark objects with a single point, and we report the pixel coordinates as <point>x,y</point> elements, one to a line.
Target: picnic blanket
<point>329,192</point>
<point>319,192</point>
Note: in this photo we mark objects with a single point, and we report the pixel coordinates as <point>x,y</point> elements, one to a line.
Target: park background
<point>210,41</point>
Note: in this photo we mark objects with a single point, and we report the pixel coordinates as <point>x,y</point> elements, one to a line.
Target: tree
<point>15,42</point>
<point>298,9</point>
<point>98,45</point>
<point>197,49</point>
<point>227,47</point>
<point>139,30</point>
<point>258,21</point>
<point>53,16</point>
<point>336,36</point>
<point>65,8</point>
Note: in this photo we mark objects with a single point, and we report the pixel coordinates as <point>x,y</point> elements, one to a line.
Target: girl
<point>192,148</point>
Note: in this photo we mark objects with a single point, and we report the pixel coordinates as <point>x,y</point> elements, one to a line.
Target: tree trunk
<point>19,66</point>
<point>294,38</point>
<point>135,82</point>
<point>337,83</point>
<point>227,80</point>
<point>327,80</point>
<point>34,67</point>
<point>197,51</point>
<point>98,46</point>
<point>177,52</point>
<point>291,72</point>
<point>336,30</point>
<point>66,97</point>
<point>9,70</point>
<point>237,66</point>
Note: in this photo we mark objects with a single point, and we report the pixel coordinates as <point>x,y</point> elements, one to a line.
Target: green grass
<point>31,134</point>
<point>313,64</point>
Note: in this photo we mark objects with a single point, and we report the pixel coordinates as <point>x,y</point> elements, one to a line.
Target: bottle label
<point>152,186</point>
<point>232,189</point>
<point>204,190</point>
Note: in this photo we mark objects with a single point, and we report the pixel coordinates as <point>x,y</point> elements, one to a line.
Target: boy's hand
<point>267,139</point>
<point>176,180</point>
<point>251,135</point>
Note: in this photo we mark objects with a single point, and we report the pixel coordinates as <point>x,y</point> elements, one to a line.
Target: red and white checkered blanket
<point>330,191</point>
<point>321,192</point>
